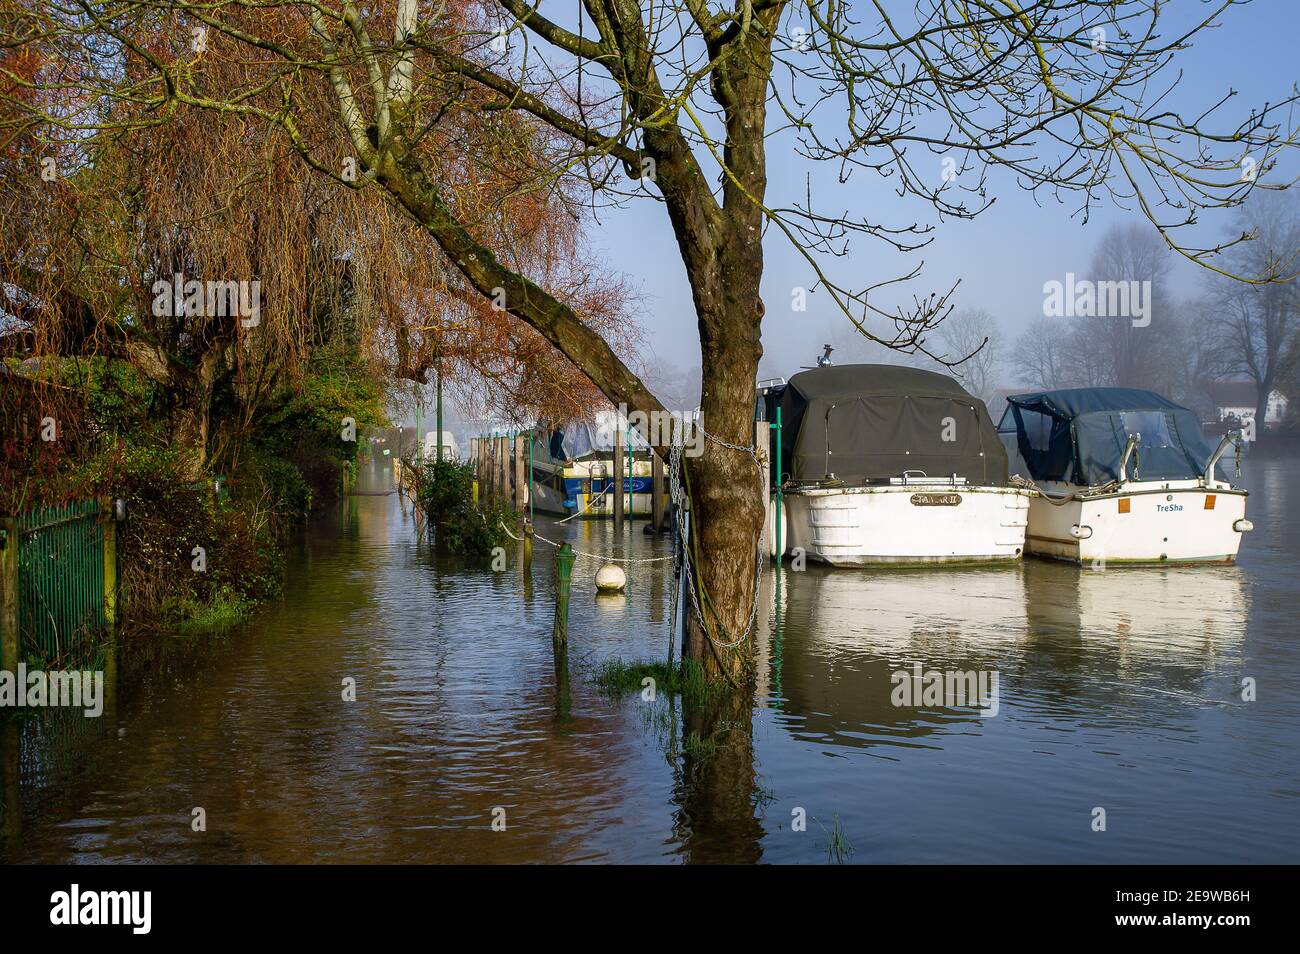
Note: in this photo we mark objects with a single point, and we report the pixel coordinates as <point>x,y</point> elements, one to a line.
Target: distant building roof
<point>1232,393</point>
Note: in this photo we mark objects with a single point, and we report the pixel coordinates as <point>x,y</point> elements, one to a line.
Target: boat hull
<point>906,525</point>
<point>589,492</point>
<point>1148,522</point>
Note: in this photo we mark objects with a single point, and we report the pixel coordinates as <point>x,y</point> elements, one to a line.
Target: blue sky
<point>1002,257</point>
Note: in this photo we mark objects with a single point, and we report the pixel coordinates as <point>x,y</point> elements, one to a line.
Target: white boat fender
<point>1243,525</point>
<point>610,579</point>
<point>1081,532</point>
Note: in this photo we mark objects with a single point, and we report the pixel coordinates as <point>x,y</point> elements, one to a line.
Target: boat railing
<point>1130,448</point>
<point>1230,439</point>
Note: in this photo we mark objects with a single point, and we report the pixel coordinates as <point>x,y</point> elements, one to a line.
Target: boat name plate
<point>935,500</point>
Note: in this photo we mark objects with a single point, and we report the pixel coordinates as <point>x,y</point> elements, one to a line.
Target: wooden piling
<point>617,489</point>
<point>10,772</point>
<point>503,468</point>
<point>521,479</point>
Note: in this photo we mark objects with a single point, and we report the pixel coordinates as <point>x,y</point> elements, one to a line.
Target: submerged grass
<point>617,676</point>
<point>838,846</point>
<point>224,610</point>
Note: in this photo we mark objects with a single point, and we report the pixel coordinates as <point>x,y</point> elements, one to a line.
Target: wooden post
<point>110,565</point>
<point>503,468</point>
<point>521,480</point>
<point>560,632</point>
<point>656,491</point>
<point>617,489</point>
<point>10,769</point>
<point>10,541</point>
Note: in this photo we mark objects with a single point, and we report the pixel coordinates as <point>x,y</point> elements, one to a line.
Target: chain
<point>681,498</point>
<point>587,553</point>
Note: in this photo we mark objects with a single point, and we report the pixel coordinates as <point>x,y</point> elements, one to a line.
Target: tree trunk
<point>727,510</point>
<point>190,419</point>
<point>718,790</point>
<point>728,502</point>
<point>1263,389</point>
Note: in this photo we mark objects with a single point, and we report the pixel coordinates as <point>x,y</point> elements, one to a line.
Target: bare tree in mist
<point>1257,326</point>
<point>971,338</point>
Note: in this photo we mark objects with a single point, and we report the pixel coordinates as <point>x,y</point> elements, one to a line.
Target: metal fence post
<point>110,564</point>
<point>10,543</point>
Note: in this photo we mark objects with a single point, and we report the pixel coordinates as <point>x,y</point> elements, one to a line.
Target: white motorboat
<point>1123,476</point>
<point>882,464</point>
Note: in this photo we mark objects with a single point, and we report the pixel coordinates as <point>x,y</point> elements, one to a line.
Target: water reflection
<point>1058,636</point>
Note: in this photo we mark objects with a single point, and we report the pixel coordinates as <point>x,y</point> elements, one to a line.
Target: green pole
<point>780,550</point>
<point>560,634</point>
<point>438,413</point>
<point>563,578</point>
<point>419,429</point>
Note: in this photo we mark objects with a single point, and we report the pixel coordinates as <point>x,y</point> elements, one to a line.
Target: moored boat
<point>892,465</point>
<point>1124,476</point>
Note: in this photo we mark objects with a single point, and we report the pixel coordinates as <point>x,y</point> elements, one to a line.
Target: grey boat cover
<point>866,423</point>
<point>578,440</point>
<point>1078,435</point>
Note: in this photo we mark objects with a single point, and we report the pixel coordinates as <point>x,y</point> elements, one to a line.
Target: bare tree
<point>1259,325</point>
<point>1040,355</point>
<point>675,102</point>
<point>1128,347</point>
<point>970,338</point>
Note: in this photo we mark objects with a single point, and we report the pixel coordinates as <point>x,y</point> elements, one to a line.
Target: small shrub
<point>445,490</point>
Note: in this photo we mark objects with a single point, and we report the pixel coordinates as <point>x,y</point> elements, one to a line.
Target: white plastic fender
<point>611,579</point>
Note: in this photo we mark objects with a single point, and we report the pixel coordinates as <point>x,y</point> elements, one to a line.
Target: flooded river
<point>1119,690</point>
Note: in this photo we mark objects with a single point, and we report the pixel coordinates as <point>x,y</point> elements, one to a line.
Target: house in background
<point>1235,401</point>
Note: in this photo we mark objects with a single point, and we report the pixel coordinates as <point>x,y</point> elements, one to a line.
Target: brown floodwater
<point>1119,689</point>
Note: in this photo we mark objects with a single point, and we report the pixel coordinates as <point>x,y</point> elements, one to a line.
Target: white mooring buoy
<point>610,579</point>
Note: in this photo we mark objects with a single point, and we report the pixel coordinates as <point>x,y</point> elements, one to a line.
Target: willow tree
<point>104,196</point>
<point>678,102</point>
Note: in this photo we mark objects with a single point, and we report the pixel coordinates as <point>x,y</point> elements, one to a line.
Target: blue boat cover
<point>1078,435</point>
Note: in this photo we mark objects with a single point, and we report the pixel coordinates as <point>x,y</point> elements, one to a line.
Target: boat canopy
<point>577,440</point>
<point>1078,435</point>
<point>859,423</point>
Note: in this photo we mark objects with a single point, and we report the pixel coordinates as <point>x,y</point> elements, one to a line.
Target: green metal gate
<point>65,569</point>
